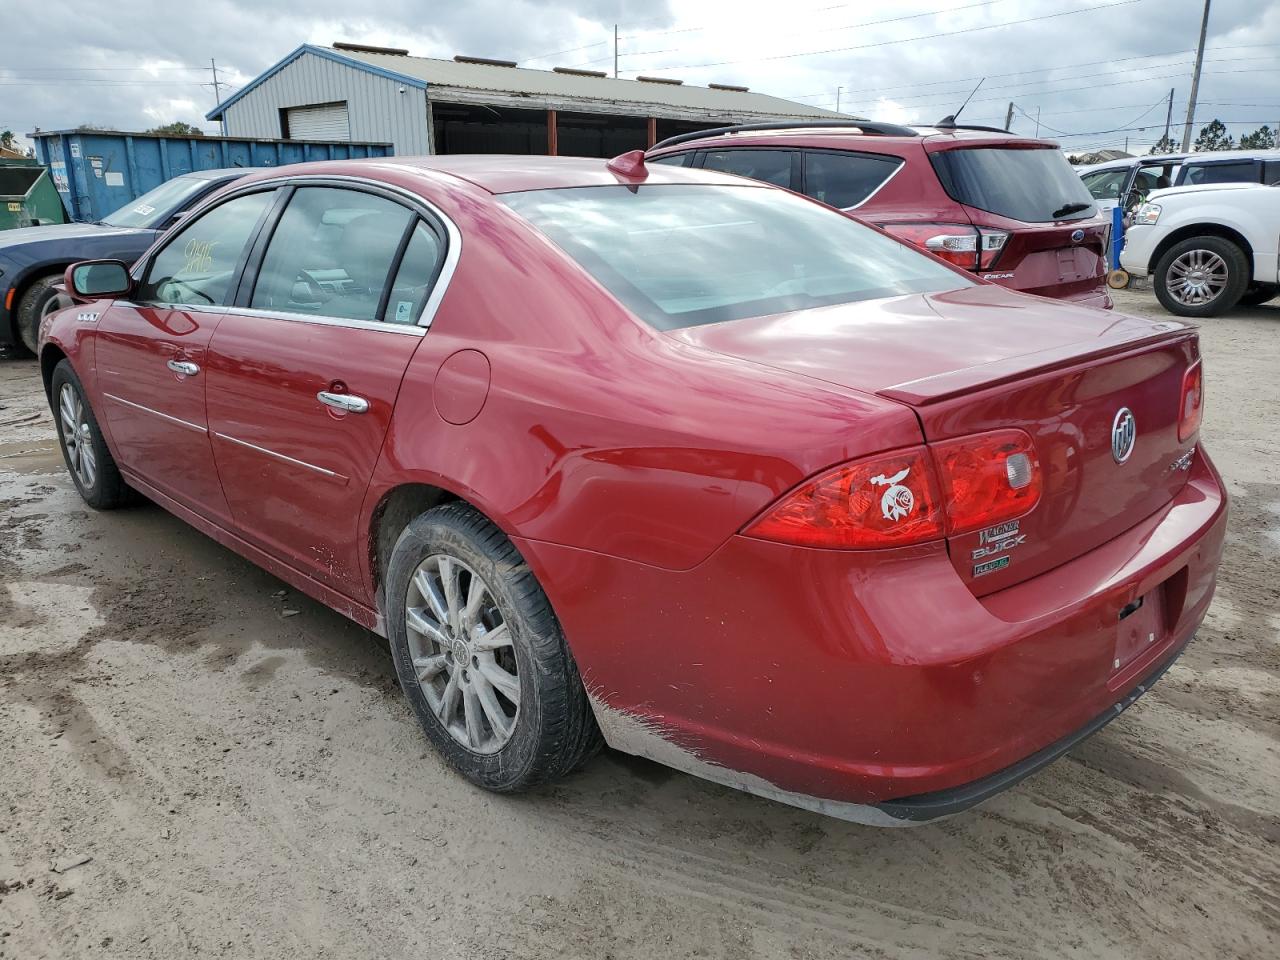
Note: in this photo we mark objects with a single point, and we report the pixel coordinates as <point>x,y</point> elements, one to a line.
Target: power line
<point>886,43</point>
<point>1128,126</point>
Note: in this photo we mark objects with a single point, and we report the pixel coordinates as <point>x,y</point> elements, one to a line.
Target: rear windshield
<point>681,255</point>
<point>1035,186</point>
<point>153,207</point>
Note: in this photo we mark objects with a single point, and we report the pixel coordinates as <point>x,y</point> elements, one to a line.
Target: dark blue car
<point>32,259</point>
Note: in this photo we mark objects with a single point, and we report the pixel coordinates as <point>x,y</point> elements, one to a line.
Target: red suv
<point>1008,208</point>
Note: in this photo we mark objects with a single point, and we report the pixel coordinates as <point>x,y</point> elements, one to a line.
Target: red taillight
<point>889,500</point>
<point>1191,409</point>
<point>957,243</point>
<point>987,479</point>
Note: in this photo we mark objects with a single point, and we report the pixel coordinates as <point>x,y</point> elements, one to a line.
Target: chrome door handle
<point>185,367</point>
<point>343,401</point>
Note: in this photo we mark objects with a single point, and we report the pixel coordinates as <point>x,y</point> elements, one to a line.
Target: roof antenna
<point>949,121</point>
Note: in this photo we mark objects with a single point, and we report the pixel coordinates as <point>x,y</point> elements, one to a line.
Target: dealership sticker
<point>404,310</point>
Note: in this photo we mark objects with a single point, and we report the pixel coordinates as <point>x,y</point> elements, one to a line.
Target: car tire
<point>492,681</point>
<point>1201,277</point>
<point>1259,293</point>
<point>37,300</point>
<point>88,460</point>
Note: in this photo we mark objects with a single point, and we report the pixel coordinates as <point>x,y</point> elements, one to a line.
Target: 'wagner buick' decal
<point>998,539</point>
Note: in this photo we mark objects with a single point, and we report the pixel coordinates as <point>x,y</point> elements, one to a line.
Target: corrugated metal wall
<point>378,111</point>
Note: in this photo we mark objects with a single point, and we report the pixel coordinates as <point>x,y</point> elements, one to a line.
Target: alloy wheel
<point>1197,277</point>
<point>77,436</point>
<point>462,653</point>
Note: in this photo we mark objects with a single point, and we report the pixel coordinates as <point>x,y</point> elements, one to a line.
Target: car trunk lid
<point>980,359</point>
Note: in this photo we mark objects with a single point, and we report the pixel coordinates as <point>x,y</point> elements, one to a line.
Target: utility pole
<point>1195,81</point>
<point>615,51</point>
<point>838,89</point>
<point>1168,120</point>
<point>217,94</point>
<point>1008,116</point>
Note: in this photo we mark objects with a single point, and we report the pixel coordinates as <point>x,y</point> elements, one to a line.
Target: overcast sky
<point>1091,68</point>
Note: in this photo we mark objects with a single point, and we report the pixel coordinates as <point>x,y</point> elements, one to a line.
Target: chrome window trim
<point>201,308</point>
<point>896,170</point>
<point>453,249</point>
<point>411,330</point>
<point>137,406</point>
<point>280,456</point>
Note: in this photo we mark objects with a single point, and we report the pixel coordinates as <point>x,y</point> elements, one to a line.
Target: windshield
<point>1105,184</point>
<point>153,207</point>
<point>1034,186</point>
<point>679,256</point>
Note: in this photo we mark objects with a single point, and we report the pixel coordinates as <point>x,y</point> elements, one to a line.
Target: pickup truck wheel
<point>1201,277</point>
<point>1260,293</point>
<point>37,301</point>
<point>480,654</point>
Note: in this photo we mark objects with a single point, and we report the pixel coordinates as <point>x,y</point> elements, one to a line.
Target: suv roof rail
<point>866,126</point>
<point>947,123</point>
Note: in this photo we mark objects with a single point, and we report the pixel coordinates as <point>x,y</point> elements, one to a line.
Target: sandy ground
<point>248,782</point>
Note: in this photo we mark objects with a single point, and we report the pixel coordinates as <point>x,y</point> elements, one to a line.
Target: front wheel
<point>480,655</point>
<point>1201,277</point>
<point>38,301</point>
<point>89,462</point>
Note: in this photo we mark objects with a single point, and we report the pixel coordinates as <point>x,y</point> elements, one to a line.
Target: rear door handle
<point>348,402</point>
<point>185,367</point>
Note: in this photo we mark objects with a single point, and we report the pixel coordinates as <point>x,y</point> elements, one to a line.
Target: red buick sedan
<point>665,459</point>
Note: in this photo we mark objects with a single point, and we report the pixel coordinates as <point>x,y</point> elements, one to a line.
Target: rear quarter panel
<point>597,431</point>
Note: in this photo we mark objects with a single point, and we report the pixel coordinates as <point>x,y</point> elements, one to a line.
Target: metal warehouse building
<point>469,105</point>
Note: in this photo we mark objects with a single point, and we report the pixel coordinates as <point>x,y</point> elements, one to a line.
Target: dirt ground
<point>239,765</point>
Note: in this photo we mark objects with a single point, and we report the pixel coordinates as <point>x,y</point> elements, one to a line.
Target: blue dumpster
<point>98,171</point>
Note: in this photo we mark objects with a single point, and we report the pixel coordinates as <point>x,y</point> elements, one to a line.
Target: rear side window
<point>771,166</point>
<point>331,254</point>
<point>196,268</point>
<point>674,160</point>
<point>1244,171</point>
<point>845,179</point>
<point>1271,171</point>
<point>683,255</point>
<point>1032,185</point>
<point>416,276</point>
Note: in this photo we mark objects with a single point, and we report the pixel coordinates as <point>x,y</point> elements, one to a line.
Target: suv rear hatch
<point>980,359</point>
<point>1056,240</point>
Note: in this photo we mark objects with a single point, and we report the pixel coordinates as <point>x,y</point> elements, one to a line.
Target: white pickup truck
<point>1207,247</point>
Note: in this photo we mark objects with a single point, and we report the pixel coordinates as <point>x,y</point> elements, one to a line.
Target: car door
<point>305,368</point>
<point>150,353</point>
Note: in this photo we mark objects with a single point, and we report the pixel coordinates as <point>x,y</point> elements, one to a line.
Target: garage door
<point>322,121</point>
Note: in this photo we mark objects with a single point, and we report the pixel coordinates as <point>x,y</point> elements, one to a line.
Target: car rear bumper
<point>857,683</point>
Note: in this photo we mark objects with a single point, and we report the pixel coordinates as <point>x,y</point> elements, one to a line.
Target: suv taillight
<point>910,496</point>
<point>1191,408</point>
<point>957,243</point>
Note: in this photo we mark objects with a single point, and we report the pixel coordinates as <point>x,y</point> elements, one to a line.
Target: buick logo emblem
<point>1124,431</point>
<point>1077,236</point>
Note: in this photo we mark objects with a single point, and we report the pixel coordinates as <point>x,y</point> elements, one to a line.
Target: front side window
<point>771,166</point>
<point>682,255</point>
<point>845,179</point>
<point>196,268</point>
<point>331,254</point>
<point>1105,184</point>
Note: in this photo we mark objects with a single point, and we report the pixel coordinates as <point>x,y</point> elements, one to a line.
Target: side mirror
<point>98,280</point>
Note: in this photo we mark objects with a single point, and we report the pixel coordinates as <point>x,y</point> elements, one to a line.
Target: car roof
<point>501,173</point>
<point>1123,163</point>
<point>847,139</point>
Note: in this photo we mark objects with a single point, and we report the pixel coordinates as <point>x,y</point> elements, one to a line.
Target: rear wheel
<point>480,655</point>
<point>1260,293</point>
<point>39,300</point>
<point>1201,277</point>
<point>89,462</point>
